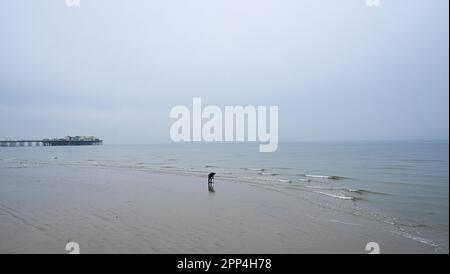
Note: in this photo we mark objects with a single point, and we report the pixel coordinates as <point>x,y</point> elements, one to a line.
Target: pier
<point>67,141</point>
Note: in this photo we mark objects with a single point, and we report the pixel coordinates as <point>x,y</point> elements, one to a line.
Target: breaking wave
<point>327,177</point>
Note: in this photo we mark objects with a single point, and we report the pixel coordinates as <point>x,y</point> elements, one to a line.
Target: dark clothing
<point>211,177</point>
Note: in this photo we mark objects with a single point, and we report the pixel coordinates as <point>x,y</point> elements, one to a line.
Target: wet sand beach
<point>109,210</point>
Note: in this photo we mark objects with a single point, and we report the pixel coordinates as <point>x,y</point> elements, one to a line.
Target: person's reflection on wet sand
<point>211,187</point>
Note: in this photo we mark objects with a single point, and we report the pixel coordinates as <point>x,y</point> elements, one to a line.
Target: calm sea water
<point>404,184</point>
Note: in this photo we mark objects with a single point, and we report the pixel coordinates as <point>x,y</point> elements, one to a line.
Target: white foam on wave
<point>336,196</point>
<point>268,173</point>
<point>255,169</point>
<point>417,238</point>
<point>328,177</point>
<point>358,191</point>
<point>317,176</point>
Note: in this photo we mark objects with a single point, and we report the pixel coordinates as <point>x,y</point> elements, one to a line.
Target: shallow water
<point>404,184</point>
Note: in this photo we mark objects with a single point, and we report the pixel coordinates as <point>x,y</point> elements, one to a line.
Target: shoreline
<point>131,211</point>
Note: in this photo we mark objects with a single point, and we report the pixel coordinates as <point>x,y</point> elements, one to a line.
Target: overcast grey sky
<point>338,70</point>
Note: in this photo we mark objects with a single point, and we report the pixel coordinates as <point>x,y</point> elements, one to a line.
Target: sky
<point>338,70</point>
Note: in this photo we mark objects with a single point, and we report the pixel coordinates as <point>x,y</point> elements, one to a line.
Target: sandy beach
<point>130,211</point>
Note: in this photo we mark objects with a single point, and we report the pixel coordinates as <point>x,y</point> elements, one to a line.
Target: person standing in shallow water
<point>211,182</point>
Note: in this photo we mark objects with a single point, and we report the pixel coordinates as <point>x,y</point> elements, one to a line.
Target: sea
<point>401,183</point>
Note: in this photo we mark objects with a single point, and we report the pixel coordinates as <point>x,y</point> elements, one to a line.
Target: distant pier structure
<point>67,141</point>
